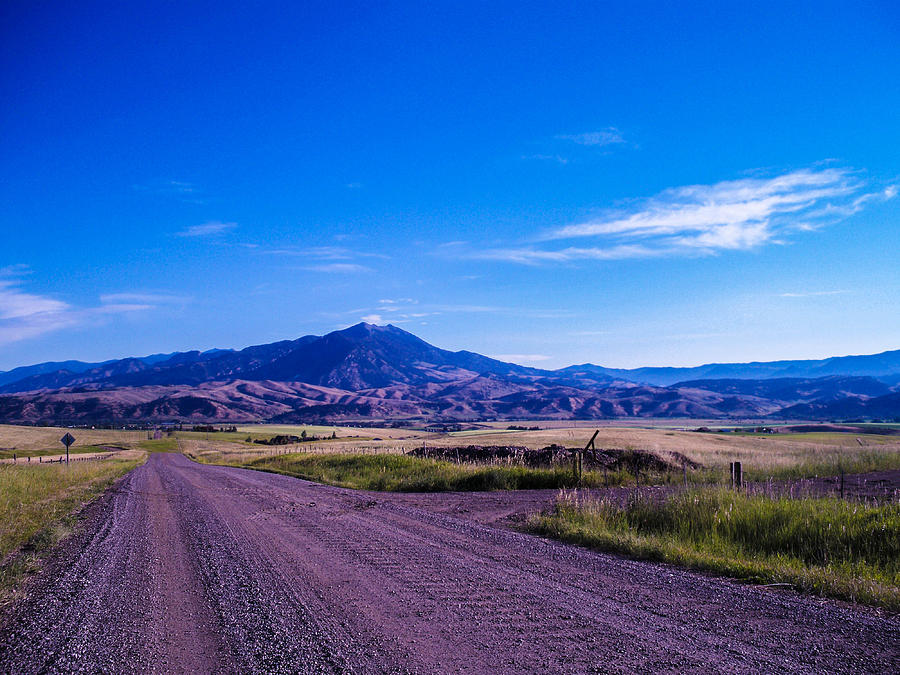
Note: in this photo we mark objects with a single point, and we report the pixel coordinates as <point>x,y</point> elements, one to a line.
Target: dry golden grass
<point>47,438</point>
<point>776,454</point>
<point>342,432</point>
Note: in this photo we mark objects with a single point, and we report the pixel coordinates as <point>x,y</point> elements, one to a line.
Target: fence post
<point>736,475</point>
<point>842,482</point>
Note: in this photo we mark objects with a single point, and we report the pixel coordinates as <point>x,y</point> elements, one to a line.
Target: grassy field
<point>762,455</point>
<point>399,473</point>
<point>37,500</point>
<point>61,450</point>
<point>20,439</point>
<point>826,546</point>
<point>777,456</point>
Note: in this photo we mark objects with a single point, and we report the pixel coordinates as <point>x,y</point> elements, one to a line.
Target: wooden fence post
<point>579,457</point>
<point>737,477</point>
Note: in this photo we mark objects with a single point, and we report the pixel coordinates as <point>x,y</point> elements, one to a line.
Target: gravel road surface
<point>191,568</point>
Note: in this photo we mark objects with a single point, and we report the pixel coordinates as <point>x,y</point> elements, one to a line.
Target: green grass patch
<point>860,461</point>
<point>219,436</point>
<point>168,444</point>
<point>401,473</point>
<point>826,546</point>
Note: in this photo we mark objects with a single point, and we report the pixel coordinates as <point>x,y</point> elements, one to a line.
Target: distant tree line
<point>283,439</point>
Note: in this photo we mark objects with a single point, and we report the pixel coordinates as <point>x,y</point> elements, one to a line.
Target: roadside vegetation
<point>764,456</point>
<point>23,455</point>
<point>389,470</point>
<point>843,549</point>
<point>401,473</point>
<point>37,500</point>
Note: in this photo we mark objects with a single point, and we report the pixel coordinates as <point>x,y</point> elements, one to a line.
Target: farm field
<point>763,456</point>
<point>24,439</point>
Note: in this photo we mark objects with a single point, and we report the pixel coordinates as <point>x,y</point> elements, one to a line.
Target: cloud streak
<point>145,298</point>
<point>25,315</point>
<point>700,220</point>
<point>207,229</point>
<point>607,136</point>
<point>521,358</point>
<point>339,268</point>
<point>811,294</point>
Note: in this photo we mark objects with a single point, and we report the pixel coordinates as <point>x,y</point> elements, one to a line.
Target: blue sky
<point>638,184</point>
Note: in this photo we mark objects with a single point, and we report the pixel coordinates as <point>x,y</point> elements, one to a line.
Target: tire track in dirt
<point>193,568</point>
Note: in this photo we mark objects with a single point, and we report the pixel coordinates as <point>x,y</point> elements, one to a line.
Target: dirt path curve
<point>192,568</point>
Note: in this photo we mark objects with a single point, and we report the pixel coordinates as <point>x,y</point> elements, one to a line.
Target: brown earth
<point>190,568</point>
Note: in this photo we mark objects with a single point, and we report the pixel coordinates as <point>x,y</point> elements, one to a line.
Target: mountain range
<point>369,372</point>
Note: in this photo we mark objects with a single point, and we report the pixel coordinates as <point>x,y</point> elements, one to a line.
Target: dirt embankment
<point>192,568</point>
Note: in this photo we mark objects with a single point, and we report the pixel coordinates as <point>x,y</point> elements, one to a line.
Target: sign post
<point>67,440</point>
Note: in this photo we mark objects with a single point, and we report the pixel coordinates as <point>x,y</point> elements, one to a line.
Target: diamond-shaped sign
<point>67,440</point>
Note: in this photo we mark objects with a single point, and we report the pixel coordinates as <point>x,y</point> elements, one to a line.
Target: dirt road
<point>191,568</point>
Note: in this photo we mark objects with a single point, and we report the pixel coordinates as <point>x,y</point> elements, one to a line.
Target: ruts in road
<point>185,567</point>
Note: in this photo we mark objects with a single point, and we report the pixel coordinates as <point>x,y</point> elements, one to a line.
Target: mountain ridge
<point>384,371</point>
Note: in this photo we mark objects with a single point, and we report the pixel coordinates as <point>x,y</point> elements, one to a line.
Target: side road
<point>192,568</point>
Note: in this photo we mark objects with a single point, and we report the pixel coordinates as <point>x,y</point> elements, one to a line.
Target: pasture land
<point>45,453</point>
<point>763,456</point>
<point>22,439</point>
<point>400,473</point>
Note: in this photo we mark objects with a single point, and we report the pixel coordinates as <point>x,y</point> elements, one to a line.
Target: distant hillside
<point>884,366</point>
<point>361,357</point>
<point>830,388</point>
<point>384,372</point>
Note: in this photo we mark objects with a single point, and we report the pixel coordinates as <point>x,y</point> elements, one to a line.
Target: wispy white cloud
<point>589,333</point>
<point>544,157</point>
<point>521,358</point>
<point>25,315</point>
<point>17,304</point>
<point>811,294</point>
<point>181,190</point>
<point>145,298</point>
<point>402,310</point>
<point>322,253</point>
<point>120,307</point>
<point>339,268</point>
<point>207,229</point>
<point>607,136</point>
<point>533,256</point>
<point>396,305</point>
<point>372,318</point>
<point>698,220</point>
